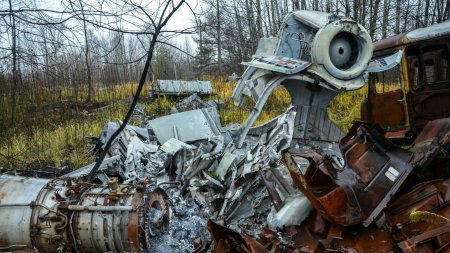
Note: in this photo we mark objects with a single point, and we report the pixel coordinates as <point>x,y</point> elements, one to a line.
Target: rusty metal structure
<point>65,215</point>
<point>417,90</point>
<point>387,189</point>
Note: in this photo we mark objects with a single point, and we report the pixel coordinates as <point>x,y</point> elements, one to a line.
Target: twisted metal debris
<point>297,183</point>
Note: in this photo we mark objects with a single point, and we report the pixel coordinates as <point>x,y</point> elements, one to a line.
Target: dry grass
<point>51,128</point>
<point>277,103</point>
<point>44,137</point>
<point>344,109</point>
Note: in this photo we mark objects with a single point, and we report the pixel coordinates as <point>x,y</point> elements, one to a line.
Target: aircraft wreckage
<point>297,183</point>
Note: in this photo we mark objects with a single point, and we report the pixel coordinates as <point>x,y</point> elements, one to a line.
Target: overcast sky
<point>184,19</point>
<point>181,20</point>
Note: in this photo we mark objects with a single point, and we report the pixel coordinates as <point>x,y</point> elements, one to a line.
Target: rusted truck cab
<point>404,98</point>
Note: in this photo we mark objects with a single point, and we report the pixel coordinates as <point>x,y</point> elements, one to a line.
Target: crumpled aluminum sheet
<point>207,167</point>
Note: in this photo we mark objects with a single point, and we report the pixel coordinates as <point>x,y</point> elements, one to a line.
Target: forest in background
<point>59,60</point>
<point>103,43</point>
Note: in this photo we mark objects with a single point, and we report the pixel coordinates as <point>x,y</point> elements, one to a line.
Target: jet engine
<point>315,55</point>
<point>341,50</point>
<point>337,49</point>
<point>63,215</point>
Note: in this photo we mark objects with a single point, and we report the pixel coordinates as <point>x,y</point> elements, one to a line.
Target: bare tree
<point>167,11</point>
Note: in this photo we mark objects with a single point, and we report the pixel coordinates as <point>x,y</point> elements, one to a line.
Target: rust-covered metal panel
<point>374,167</point>
<point>375,107</point>
<point>432,197</point>
<point>390,42</point>
<point>328,199</point>
<point>424,86</point>
<point>395,232</point>
<point>227,240</point>
<point>428,105</point>
<point>433,139</point>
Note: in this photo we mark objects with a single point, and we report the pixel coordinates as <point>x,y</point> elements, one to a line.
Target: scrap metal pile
<point>294,184</point>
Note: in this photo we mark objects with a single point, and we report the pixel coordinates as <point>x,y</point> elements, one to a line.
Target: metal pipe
<point>15,205</point>
<point>14,246</point>
<point>99,208</point>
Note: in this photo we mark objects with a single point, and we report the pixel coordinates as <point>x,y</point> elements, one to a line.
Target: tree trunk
<point>419,7</point>
<point>439,11</point>
<point>296,4</point>
<point>303,7</point>
<point>433,16</point>
<point>285,9</point>
<point>397,16</point>
<point>347,8</point>
<point>14,64</point>
<point>374,17</point>
<point>363,15</point>
<point>249,19</point>
<point>269,20</point>
<point>274,18</point>
<point>447,11</point>
<point>277,12</point>
<point>259,18</point>
<point>384,27</point>
<point>86,56</point>
<point>355,10</point>
<point>427,11</point>
<point>219,42</point>
<point>200,45</point>
<point>337,7</point>
<point>406,17</point>
<point>240,32</point>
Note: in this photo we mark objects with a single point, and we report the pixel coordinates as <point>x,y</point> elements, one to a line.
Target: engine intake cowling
<point>343,48</point>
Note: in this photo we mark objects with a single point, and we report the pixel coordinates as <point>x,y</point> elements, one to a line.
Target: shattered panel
<point>385,63</point>
<point>186,126</point>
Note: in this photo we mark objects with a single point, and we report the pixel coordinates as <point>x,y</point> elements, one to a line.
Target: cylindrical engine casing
<point>16,194</point>
<point>48,225</point>
<point>117,231</point>
<point>63,216</point>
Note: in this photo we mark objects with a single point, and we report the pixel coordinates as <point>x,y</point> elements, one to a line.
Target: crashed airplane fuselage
<point>298,183</point>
